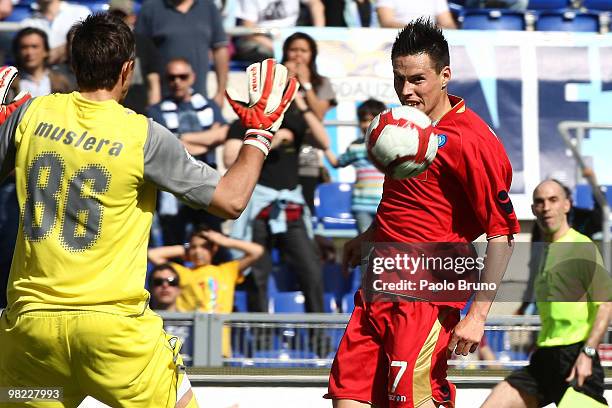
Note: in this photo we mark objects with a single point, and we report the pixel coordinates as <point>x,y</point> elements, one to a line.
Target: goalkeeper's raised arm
<point>270,93</point>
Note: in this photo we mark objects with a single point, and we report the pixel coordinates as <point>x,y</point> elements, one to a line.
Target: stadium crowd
<point>196,260</point>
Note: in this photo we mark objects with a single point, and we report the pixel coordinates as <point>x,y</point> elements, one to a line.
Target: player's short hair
<point>24,32</point>
<point>102,43</point>
<point>163,267</point>
<point>370,107</point>
<point>422,36</point>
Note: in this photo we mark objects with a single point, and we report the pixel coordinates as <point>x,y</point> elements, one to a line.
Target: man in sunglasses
<point>199,125</point>
<point>164,285</point>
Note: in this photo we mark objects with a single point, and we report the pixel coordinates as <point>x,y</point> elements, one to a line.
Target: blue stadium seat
<point>583,197</point>
<point>493,20</point>
<point>348,303</point>
<point>547,4</point>
<point>240,301</point>
<point>20,12</point>
<point>333,210</point>
<point>568,21</point>
<point>355,279</point>
<point>599,5</point>
<point>334,280</point>
<point>287,302</point>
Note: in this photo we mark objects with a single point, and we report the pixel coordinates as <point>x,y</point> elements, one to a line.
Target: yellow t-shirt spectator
<point>210,289</point>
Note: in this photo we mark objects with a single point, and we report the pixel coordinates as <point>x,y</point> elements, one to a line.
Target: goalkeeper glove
<point>7,75</point>
<point>270,93</point>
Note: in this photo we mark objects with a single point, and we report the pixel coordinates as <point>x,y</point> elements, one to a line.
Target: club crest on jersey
<point>442,139</point>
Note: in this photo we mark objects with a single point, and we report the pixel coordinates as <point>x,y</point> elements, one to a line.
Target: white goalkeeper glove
<point>7,75</point>
<point>270,93</point>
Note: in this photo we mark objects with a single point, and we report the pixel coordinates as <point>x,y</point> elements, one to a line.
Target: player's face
<point>550,207</point>
<point>180,78</point>
<point>299,52</point>
<point>364,122</point>
<point>164,287</point>
<point>418,84</point>
<point>201,251</point>
<point>32,52</point>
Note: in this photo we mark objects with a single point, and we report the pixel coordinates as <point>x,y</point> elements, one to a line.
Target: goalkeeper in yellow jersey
<point>87,171</point>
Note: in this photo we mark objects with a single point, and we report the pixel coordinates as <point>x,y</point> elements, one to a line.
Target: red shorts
<point>394,354</point>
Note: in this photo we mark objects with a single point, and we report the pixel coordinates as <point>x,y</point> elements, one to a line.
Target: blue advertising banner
<point>521,83</point>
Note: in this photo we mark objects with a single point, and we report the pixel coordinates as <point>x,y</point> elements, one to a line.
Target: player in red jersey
<point>394,354</point>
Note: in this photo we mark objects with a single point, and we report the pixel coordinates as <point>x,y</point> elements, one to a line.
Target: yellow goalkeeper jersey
<point>86,175</point>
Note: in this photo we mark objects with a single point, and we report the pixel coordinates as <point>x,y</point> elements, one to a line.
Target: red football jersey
<point>463,194</point>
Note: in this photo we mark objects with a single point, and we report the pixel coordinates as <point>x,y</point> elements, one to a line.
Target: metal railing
<point>309,340</point>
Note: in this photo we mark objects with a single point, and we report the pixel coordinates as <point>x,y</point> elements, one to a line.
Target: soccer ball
<point>401,142</point>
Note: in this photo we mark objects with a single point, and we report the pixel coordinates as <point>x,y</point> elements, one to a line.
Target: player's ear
<point>445,76</point>
<point>126,69</point>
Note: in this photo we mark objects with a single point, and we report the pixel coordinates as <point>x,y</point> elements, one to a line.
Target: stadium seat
<point>240,301</point>
<point>20,12</point>
<point>583,197</point>
<point>348,303</point>
<point>598,5</point>
<point>493,20</point>
<point>355,279</point>
<point>333,210</point>
<point>568,21</point>
<point>547,4</point>
<point>287,302</point>
<point>334,281</point>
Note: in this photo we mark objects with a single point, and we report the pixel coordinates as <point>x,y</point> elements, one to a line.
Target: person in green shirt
<point>573,293</point>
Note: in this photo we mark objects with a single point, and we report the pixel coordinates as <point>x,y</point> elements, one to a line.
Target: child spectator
<point>206,287</point>
<point>368,187</point>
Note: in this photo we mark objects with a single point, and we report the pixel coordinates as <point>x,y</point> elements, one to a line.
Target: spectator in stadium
<point>145,88</point>
<point>348,13</point>
<point>198,123</point>
<point>31,50</point>
<point>573,294</point>
<point>65,149</point>
<point>299,56</point>
<point>206,287</point>
<point>270,14</point>
<point>398,13</point>
<point>462,195</point>
<point>189,29</point>
<point>367,190</point>
<point>55,17</point>
<point>164,285</point>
